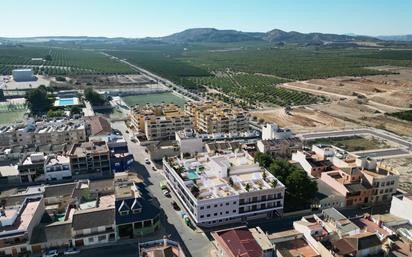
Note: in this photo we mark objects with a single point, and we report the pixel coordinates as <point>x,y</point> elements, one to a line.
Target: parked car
<point>71,251</point>
<point>166,192</point>
<point>50,253</point>
<point>175,206</point>
<point>147,161</point>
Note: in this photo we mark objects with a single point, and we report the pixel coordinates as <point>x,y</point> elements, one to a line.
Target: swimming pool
<point>66,102</point>
<point>192,175</point>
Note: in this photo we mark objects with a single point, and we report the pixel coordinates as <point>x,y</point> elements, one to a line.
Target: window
<point>124,213</point>
<point>234,211</point>
<point>227,212</point>
<point>208,215</point>
<point>254,199</point>
<point>234,202</point>
<point>201,207</point>
<point>147,223</point>
<point>137,225</point>
<point>215,214</point>
<point>215,205</point>
<point>263,197</point>
<point>208,207</point>
<point>90,239</point>
<point>202,216</point>
<point>221,204</point>
<point>101,238</point>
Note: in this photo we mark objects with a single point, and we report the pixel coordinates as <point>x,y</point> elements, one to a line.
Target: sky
<point>138,18</point>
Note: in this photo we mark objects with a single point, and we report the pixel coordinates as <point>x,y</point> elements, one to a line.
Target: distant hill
<point>396,37</point>
<point>276,35</point>
<point>204,35</point>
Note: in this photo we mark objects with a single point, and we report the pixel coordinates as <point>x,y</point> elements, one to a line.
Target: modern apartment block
<point>216,117</point>
<point>224,188</point>
<point>43,133</point>
<point>159,121</point>
<point>90,159</point>
<point>280,147</point>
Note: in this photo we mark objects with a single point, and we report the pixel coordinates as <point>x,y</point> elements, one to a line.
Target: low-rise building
<point>224,188</point>
<point>93,226</point>
<point>162,247</point>
<point>136,214</point>
<point>90,159</point>
<point>401,206</point>
<point>216,117</point>
<point>311,163</point>
<point>189,142</point>
<point>162,149</point>
<point>16,226</point>
<point>280,148</point>
<point>22,75</point>
<point>236,242</point>
<point>159,121</point>
<point>57,167</point>
<point>31,168</point>
<point>43,132</point>
<point>271,131</point>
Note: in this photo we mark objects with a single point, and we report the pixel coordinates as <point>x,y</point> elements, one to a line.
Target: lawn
<point>154,99</point>
<point>350,144</point>
<point>9,117</point>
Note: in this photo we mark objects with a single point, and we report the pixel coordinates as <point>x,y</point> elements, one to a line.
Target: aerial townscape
<point>206,142</point>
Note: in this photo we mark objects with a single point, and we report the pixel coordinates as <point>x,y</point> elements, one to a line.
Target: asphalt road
<point>383,153</point>
<point>194,243</point>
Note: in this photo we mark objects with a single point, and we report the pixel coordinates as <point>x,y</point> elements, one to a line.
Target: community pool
<point>66,102</point>
<point>192,175</point>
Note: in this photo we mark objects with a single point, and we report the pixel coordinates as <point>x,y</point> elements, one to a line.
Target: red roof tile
<point>240,242</point>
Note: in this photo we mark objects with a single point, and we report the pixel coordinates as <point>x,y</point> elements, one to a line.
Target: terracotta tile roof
<point>239,242</point>
<point>99,126</point>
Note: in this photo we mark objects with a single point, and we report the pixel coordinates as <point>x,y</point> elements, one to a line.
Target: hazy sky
<point>137,18</point>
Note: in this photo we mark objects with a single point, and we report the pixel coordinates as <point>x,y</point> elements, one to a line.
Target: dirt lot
<point>393,90</point>
<point>404,167</point>
<point>303,119</point>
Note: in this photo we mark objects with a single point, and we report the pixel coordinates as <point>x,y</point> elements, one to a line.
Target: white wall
<point>402,208</point>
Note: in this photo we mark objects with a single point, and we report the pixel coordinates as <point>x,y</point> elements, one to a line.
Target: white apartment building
<point>57,167</point>
<point>224,188</point>
<point>401,207</point>
<point>43,133</point>
<point>273,131</point>
<point>189,142</point>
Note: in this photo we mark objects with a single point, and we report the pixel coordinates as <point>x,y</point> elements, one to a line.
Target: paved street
<point>194,243</point>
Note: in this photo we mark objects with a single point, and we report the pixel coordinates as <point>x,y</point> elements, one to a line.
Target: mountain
<point>211,35</point>
<point>396,37</point>
<point>276,35</point>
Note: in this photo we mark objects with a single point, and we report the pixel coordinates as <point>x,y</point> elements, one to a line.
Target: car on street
<point>166,192</point>
<point>175,206</point>
<point>147,161</point>
<point>50,253</point>
<point>71,251</point>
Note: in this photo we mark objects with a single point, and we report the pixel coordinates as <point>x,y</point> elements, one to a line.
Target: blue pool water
<point>66,101</point>
<point>192,175</point>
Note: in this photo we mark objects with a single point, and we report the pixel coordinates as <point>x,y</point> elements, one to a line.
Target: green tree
<point>263,159</point>
<point>55,113</point>
<point>300,187</point>
<point>75,110</point>
<point>281,169</point>
<point>38,100</point>
<point>93,97</point>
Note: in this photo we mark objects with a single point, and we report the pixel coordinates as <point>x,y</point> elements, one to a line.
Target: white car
<point>166,192</point>
<point>147,161</point>
<point>71,251</point>
<point>50,253</point>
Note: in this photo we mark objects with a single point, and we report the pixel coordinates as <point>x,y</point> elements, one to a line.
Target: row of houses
<point>76,214</point>
<point>358,179</point>
<point>326,234</point>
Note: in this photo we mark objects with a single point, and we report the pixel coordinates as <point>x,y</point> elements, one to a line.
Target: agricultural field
<point>58,61</point>
<point>405,115</point>
<point>255,89</point>
<point>356,143</point>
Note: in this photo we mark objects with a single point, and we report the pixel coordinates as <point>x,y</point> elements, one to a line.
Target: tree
<point>281,169</point>
<point>55,113</point>
<point>75,110</point>
<point>93,97</point>
<point>274,183</point>
<point>38,100</point>
<point>300,187</point>
<point>247,187</point>
<point>263,159</point>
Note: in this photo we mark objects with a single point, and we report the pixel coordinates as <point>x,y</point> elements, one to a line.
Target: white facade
<point>57,167</point>
<point>224,196</point>
<point>272,131</point>
<point>23,75</point>
<point>402,207</point>
<point>188,141</point>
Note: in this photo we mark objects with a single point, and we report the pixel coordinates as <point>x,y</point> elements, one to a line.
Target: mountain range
<point>204,35</point>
